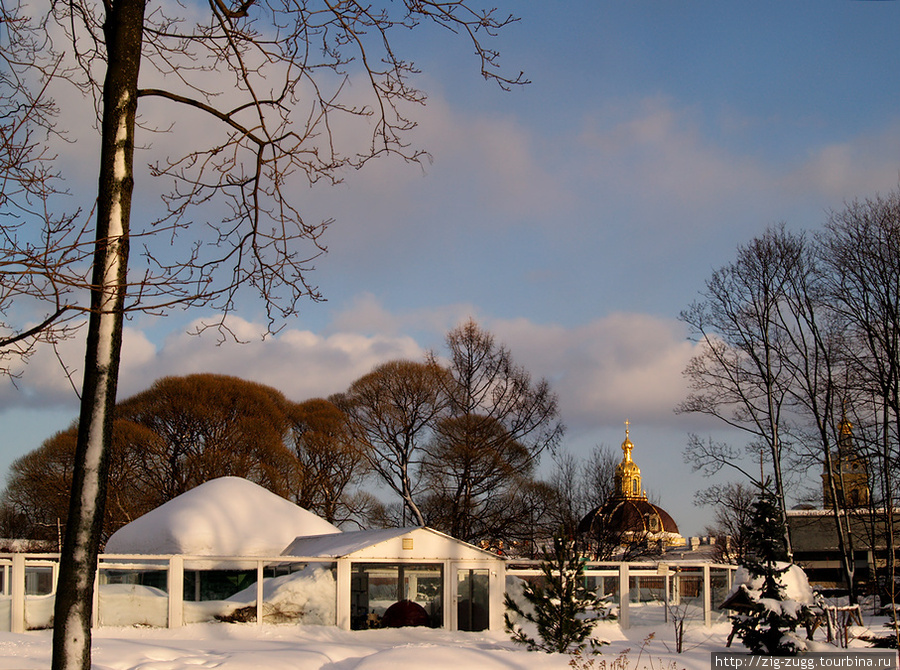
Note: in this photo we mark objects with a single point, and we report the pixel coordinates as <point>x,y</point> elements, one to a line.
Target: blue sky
<point>574,217</point>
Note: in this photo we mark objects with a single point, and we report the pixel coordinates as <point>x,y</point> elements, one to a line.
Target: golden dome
<point>628,518</point>
<point>628,474</point>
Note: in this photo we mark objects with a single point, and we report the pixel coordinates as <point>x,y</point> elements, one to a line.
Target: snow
<point>233,517</point>
<point>222,517</point>
<point>277,647</point>
<point>797,591</point>
<point>333,546</point>
<point>283,647</point>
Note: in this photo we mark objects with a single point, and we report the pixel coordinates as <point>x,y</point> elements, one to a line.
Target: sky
<point>574,218</point>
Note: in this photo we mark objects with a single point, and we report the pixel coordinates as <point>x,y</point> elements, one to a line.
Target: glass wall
<point>219,591</point>
<point>133,593</point>
<point>292,592</point>
<point>720,586</point>
<point>396,594</point>
<point>300,593</point>
<point>5,597</point>
<point>40,582</point>
<point>648,603</point>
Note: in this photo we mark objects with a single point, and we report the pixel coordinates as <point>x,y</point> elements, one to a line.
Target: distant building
<point>814,536</point>
<point>628,524</point>
<point>849,471</point>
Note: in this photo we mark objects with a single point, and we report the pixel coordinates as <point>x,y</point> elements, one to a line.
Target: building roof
<point>633,515</point>
<point>391,543</point>
<point>229,516</point>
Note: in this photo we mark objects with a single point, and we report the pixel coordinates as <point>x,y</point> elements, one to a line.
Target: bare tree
<point>861,249</point>
<point>274,78</point>
<point>579,486</point>
<point>498,423</point>
<point>37,490</point>
<point>176,435</point>
<point>566,487</point>
<point>739,376</point>
<point>204,426</point>
<point>473,473</point>
<point>733,505</point>
<point>814,352</point>
<point>598,476</point>
<point>392,411</point>
<point>41,247</point>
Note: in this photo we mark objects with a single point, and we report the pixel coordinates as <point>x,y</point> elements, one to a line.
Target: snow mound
<point>229,516</point>
<point>793,579</point>
<point>306,597</point>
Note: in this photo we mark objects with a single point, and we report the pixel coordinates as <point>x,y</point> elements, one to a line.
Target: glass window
<point>38,580</point>
<point>396,594</point>
<point>133,596</point>
<point>473,597</point>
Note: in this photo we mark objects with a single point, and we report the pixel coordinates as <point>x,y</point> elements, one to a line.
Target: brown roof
<point>628,515</point>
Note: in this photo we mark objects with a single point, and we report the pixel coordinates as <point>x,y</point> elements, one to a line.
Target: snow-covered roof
<point>392,544</point>
<point>229,516</point>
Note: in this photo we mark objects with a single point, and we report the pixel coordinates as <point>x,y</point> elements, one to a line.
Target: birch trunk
<point>123,32</point>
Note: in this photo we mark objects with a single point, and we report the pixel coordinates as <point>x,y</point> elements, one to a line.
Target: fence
<point>655,593</point>
<point>169,591</point>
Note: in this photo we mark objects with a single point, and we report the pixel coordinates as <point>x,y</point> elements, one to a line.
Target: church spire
<point>628,474</point>
<point>627,446</point>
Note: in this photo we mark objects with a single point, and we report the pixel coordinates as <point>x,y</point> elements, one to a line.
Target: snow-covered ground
<point>273,647</point>
<point>276,647</point>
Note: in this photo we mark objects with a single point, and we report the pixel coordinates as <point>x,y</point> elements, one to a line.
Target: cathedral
<point>628,524</point>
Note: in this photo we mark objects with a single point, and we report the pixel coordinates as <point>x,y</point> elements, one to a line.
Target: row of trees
<point>456,441</point>
<point>800,334</point>
<point>182,432</point>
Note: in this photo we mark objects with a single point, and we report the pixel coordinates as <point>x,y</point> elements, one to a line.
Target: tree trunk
<point>782,503</point>
<point>887,464</point>
<point>123,31</point>
<point>409,504</point>
<point>841,516</point>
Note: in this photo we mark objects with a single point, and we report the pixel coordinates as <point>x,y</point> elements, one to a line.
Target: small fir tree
<point>766,624</point>
<point>559,606</point>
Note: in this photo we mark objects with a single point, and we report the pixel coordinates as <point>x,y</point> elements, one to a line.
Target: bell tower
<point>849,470</point>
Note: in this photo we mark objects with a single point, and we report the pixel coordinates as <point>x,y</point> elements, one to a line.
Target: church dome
<point>627,465</point>
<point>628,475</point>
<point>627,517</point>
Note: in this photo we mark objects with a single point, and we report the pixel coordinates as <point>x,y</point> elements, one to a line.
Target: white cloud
<point>366,314</point>
<point>857,167</point>
<point>608,369</point>
<point>657,154</point>
<point>605,370</point>
<point>487,171</point>
<point>660,152</point>
<point>299,363</point>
